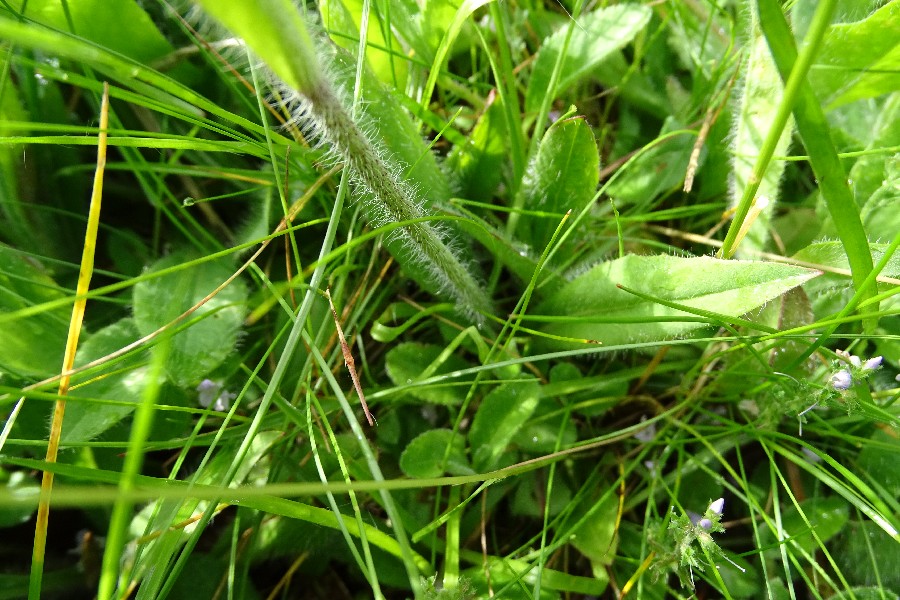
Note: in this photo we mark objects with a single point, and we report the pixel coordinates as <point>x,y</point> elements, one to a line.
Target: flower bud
<point>873,363</point>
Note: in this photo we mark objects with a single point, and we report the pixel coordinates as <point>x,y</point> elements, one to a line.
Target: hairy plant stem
<point>388,199</point>
<point>274,30</point>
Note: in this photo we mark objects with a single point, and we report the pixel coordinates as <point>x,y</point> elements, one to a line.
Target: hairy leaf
<point>594,308</point>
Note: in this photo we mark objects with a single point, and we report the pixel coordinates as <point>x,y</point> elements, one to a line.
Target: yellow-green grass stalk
<point>84,282</point>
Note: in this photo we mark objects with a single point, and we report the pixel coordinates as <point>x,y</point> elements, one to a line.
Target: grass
<point>490,230</point>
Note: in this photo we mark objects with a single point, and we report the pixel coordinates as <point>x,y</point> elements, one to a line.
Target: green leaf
<point>859,60</point>
<point>32,346</point>
<point>410,362</point>
<point>423,458</point>
<point>594,308</point>
<point>755,107</point>
<point>866,554</point>
<point>826,515</point>
<point>18,483</point>
<point>869,171</point>
<point>541,435</point>
<point>830,292</point>
<point>880,215</point>
<point>120,25</point>
<point>477,165</point>
<point>211,332</point>
<point>342,19</point>
<point>832,254</point>
<point>501,414</point>
<point>660,169</point>
<point>562,176</point>
<point>84,419</point>
<point>597,35</point>
<point>878,458</point>
<point>595,536</point>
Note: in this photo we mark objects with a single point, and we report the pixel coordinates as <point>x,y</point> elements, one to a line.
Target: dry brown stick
<point>348,360</point>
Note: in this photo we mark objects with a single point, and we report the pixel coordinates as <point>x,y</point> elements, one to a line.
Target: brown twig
<point>348,360</point>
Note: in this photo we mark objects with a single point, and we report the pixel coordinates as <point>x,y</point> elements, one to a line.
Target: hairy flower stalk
<point>277,33</point>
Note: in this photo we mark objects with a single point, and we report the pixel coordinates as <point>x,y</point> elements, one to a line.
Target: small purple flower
<point>705,524</point>
<point>211,393</point>
<point>208,392</point>
<point>841,380</point>
<point>855,361</point>
<point>873,363</point>
<point>717,506</point>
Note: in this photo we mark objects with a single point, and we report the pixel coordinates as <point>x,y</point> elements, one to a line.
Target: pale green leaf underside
<point>597,310</point>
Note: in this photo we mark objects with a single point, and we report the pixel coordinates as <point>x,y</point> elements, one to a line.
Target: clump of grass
<point>648,422</point>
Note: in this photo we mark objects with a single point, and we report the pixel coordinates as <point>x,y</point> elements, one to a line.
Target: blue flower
<point>841,380</point>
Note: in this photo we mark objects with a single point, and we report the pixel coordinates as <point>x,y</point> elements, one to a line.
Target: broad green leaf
<point>32,346</point>
<point>530,496</point>
<point>410,362</point>
<point>562,176</point>
<point>210,333</point>
<point>85,419</point>
<point>859,60</point>
<point>741,581</point>
<point>541,434</point>
<point>505,571</point>
<point>865,593</point>
<point>342,19</point>
<point>596,36</point>
<point>593,308</point>
<point>500,416</point>
<point>423,458</point>
<point>830,292</point>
